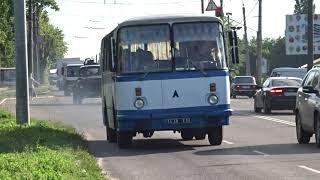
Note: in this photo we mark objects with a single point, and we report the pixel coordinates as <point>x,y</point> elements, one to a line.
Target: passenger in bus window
<point>215,57</point>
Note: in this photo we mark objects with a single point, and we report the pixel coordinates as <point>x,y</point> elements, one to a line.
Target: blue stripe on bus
<point>179,111</point>
<point>201,117</point>
<point>170,75</point>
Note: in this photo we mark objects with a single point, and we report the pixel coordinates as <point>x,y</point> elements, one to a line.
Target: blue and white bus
<point>165,73</point>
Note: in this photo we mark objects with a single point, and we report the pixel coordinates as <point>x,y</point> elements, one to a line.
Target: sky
<point>86,22</point>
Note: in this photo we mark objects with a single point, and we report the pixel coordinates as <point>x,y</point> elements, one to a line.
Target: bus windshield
<point>198,46</point>
<point>145,49</point>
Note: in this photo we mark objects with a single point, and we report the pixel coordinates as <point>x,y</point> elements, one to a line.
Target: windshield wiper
<point>197,67</point>
<point>145,74</point>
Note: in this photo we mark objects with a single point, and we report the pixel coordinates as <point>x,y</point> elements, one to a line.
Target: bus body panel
<point>164,110</point>
<point>125,95</point>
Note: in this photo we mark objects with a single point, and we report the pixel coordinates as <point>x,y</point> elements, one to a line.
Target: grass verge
<point>10,92</point>
<point>43,150</point>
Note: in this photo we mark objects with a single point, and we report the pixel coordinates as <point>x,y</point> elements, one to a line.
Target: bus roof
<point>159,19</point>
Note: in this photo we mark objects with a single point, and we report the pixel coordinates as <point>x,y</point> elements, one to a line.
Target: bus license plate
<point>178,121</point>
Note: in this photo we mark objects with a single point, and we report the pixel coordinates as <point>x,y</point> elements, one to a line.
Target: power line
<point>252,29</point>
<point>247,15</point>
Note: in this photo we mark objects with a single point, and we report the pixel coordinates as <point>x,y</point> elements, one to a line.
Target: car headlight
<point>138,103</point>
<point>213,99</point>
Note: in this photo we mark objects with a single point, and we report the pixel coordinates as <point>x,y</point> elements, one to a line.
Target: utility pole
<point>227,29</point>
<point>30,37</point>
<point>259,45</point>
<point>202,6</point>
<point>22,84</point>
<point>245,37</point>
<point>310,34</point>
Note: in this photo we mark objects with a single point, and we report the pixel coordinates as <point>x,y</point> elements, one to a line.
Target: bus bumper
<point>173,119</point>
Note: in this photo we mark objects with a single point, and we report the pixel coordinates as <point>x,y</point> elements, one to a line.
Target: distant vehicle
<point>277,93</point>
<point>88,84</point>
<point>307,108</point>
<point>7,76</point>
<point>70,76</point>
<point>166,73</point>
<point>244,86</point>
<point>61,64</point>
<point>289,72</point>
<point>53,77</point>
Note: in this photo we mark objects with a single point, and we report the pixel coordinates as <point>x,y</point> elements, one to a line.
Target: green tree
<point>52,47</point>
<point>7,49</point>
<point>301,7</point>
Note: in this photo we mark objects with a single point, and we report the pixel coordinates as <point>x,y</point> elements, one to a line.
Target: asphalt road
<point>255,146</point>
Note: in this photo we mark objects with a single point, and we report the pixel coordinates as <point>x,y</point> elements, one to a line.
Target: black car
<point>308,108</point>
<point>88,84</point>
<point>277,93</point>
<point>243,86</point>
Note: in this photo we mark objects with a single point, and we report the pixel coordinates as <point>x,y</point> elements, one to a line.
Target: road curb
<point>106,174</point>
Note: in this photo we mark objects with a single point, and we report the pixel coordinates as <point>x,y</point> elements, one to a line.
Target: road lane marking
<point>3,101</point>
<point>262,153</point>
<point>39,97</point>
<point>309,169</point>
<point>227,142</point>
<point>276,120</point>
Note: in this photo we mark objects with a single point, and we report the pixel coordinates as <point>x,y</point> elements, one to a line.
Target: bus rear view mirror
<point>233,40</point>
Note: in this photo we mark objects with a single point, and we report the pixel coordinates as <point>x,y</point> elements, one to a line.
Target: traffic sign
<point>211,6</point>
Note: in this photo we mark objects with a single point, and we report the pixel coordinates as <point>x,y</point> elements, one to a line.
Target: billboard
<point>296,34</point>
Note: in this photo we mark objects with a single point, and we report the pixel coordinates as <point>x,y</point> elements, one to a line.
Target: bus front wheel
<point>124,139</point>
<point>215,135</point>
<point>186,135</point>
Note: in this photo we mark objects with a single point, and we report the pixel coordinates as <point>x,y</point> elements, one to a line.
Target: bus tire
<point>186,135</point>
<point>215,135</point>
<point>124,139</point>
<point>111,134</point>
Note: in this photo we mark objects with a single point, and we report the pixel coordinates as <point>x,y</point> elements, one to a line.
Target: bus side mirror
<point>233,40</point>
<point>113,54</point>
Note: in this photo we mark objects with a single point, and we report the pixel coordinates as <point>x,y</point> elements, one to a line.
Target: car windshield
<point>93,71</point>
<point>73,71</point>
<point>298,74</point>
<point>286,82</point>
<point>243,80</point>
<point>198,46</point>
<point>145,49</point>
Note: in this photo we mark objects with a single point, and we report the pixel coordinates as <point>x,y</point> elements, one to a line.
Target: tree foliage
<point>7,49</point>
<point>301,7</point>
<point>53,46</point>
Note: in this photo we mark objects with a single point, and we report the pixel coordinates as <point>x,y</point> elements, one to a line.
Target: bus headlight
<point>213,99</point>
<point>138,103</point>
